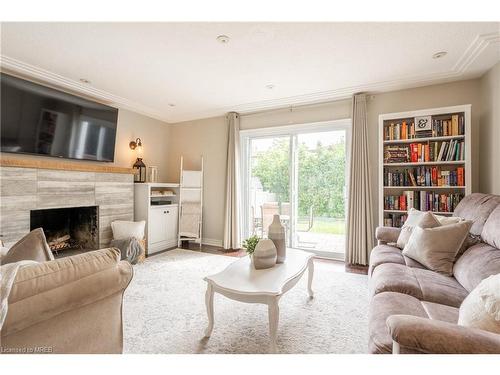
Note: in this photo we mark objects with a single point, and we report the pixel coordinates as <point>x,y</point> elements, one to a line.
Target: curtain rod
<point>290,107</point>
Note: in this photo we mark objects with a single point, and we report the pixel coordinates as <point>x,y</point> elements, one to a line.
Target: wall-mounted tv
<point>43,121</point>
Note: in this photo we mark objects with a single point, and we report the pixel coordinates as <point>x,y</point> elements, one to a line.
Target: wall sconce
<point>137,144</point>
<point>140,174</point>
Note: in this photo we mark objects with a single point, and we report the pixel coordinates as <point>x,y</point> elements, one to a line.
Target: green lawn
<point>323,225</point>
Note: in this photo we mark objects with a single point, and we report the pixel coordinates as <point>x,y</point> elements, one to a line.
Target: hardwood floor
<point>239,253</point>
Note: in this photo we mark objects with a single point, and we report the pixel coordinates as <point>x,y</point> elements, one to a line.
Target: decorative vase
<point>276,233</point>
<point>264,255</point>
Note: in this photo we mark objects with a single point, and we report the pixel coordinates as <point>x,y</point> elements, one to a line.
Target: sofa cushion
<point>477,207</point>
<point>424,219</point>
<point>382,254</point>
<point>386,304</point>
<point>444,313</point>
<point>476,264</point>
<point>491,229</point>
<point>422,284</point>
<point>436,247</point>
<point>33,246</point>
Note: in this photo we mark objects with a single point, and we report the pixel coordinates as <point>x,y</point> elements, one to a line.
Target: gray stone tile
<point>65,200</point>
<point>69,176</point>
<point>17,202</point>
<point>114,177</point>
<point>17,181</point>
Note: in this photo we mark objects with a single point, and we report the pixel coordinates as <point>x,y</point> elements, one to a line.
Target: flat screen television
<point>43,121</point>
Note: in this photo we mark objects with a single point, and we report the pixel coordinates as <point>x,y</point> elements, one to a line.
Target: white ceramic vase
<point>264,255</point>
<point>276,233</point>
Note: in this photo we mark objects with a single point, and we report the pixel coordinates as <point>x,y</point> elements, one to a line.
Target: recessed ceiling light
<point>438,55</point>
<point>270,86</point>
<point>84,80</point>
<point>223,39</point>
<point>171,104</point>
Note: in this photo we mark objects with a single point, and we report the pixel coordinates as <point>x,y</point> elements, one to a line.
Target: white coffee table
<point>240,281</point>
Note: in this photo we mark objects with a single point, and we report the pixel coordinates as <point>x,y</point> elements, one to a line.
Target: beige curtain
<point>359,214</point>
<point>232,208</point>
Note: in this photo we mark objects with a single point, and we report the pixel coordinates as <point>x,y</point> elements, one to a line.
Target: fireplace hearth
<point>68,230</point>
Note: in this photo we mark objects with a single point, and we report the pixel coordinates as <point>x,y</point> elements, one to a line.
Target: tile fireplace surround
<point>26,189</point>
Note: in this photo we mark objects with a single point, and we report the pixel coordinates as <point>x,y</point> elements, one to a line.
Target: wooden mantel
<point>62,165</point>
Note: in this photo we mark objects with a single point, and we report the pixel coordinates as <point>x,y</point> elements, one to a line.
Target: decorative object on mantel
<point>152,174</point>
<point>264,255</point>
<point>276,233</point>
<point>139,166</point>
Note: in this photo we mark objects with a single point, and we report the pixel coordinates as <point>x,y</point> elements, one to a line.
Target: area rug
<point>164,311</point>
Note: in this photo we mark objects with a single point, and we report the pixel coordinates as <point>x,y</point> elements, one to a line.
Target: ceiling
<point>147,67</point>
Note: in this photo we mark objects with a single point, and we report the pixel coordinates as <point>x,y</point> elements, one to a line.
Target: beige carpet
<point>164,311</point>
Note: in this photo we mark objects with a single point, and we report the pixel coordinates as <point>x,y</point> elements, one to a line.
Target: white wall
<point>489,140</point>
<point>192,139</point>
<point>155,136</point>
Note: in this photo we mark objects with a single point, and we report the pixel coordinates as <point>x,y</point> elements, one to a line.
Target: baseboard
<point>211,242</point>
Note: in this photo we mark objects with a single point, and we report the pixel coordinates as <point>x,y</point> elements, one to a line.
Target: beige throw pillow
<point>33,246</point>
<point>437,247</point>
<point>481,308</point>
<point>414,217</point>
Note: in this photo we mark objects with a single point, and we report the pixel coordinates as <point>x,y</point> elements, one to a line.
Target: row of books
<point>425,176</point>
<point>405,129</point>
<point>398,131</point>
<point>453,150</point>
<point>450,127</point>
<point>394,220</point>
<point>423,200</point>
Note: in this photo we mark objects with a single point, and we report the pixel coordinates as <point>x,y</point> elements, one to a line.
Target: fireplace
<point>68,230</point>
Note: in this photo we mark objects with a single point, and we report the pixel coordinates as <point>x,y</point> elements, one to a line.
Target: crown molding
<point>478,45</point>
<point>17,67</point>
<point>458,71</point>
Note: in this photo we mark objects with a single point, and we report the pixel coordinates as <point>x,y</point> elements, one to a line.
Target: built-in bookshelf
<point>424,162</point>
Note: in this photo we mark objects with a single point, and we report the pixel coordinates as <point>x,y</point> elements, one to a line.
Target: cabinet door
<point>172,223</point>
<point>158,223</point>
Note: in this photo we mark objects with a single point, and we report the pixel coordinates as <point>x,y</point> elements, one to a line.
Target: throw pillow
<point>481,308</point>
<point>128,229</point>
<point>412,221</point>
<point>33,246</point>
<point>436,248</point>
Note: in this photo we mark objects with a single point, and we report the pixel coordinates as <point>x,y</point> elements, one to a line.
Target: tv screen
<point>40,120</point>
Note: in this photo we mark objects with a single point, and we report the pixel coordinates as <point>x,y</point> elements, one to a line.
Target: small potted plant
<point>250,243</point>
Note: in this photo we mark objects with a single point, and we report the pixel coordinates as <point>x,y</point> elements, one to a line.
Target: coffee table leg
<point>310,274</point>
<point>209,302</point>
<point>274,314</point>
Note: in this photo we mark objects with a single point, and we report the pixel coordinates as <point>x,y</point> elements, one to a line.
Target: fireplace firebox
<point>68,230</point>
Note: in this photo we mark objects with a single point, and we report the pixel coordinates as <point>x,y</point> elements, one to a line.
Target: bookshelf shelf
<point>425,187</point>
<point>405,211</point>
<point>447,134</point>
<point>425,139</point>
<point>417,163</point>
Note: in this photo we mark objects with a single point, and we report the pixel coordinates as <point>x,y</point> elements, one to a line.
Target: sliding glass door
<point>298,172</point>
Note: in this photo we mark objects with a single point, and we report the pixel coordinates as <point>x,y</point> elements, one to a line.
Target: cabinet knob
<point>164,212</point>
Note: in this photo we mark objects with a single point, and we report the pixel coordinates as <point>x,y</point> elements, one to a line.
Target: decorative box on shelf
<point>424,161</point>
